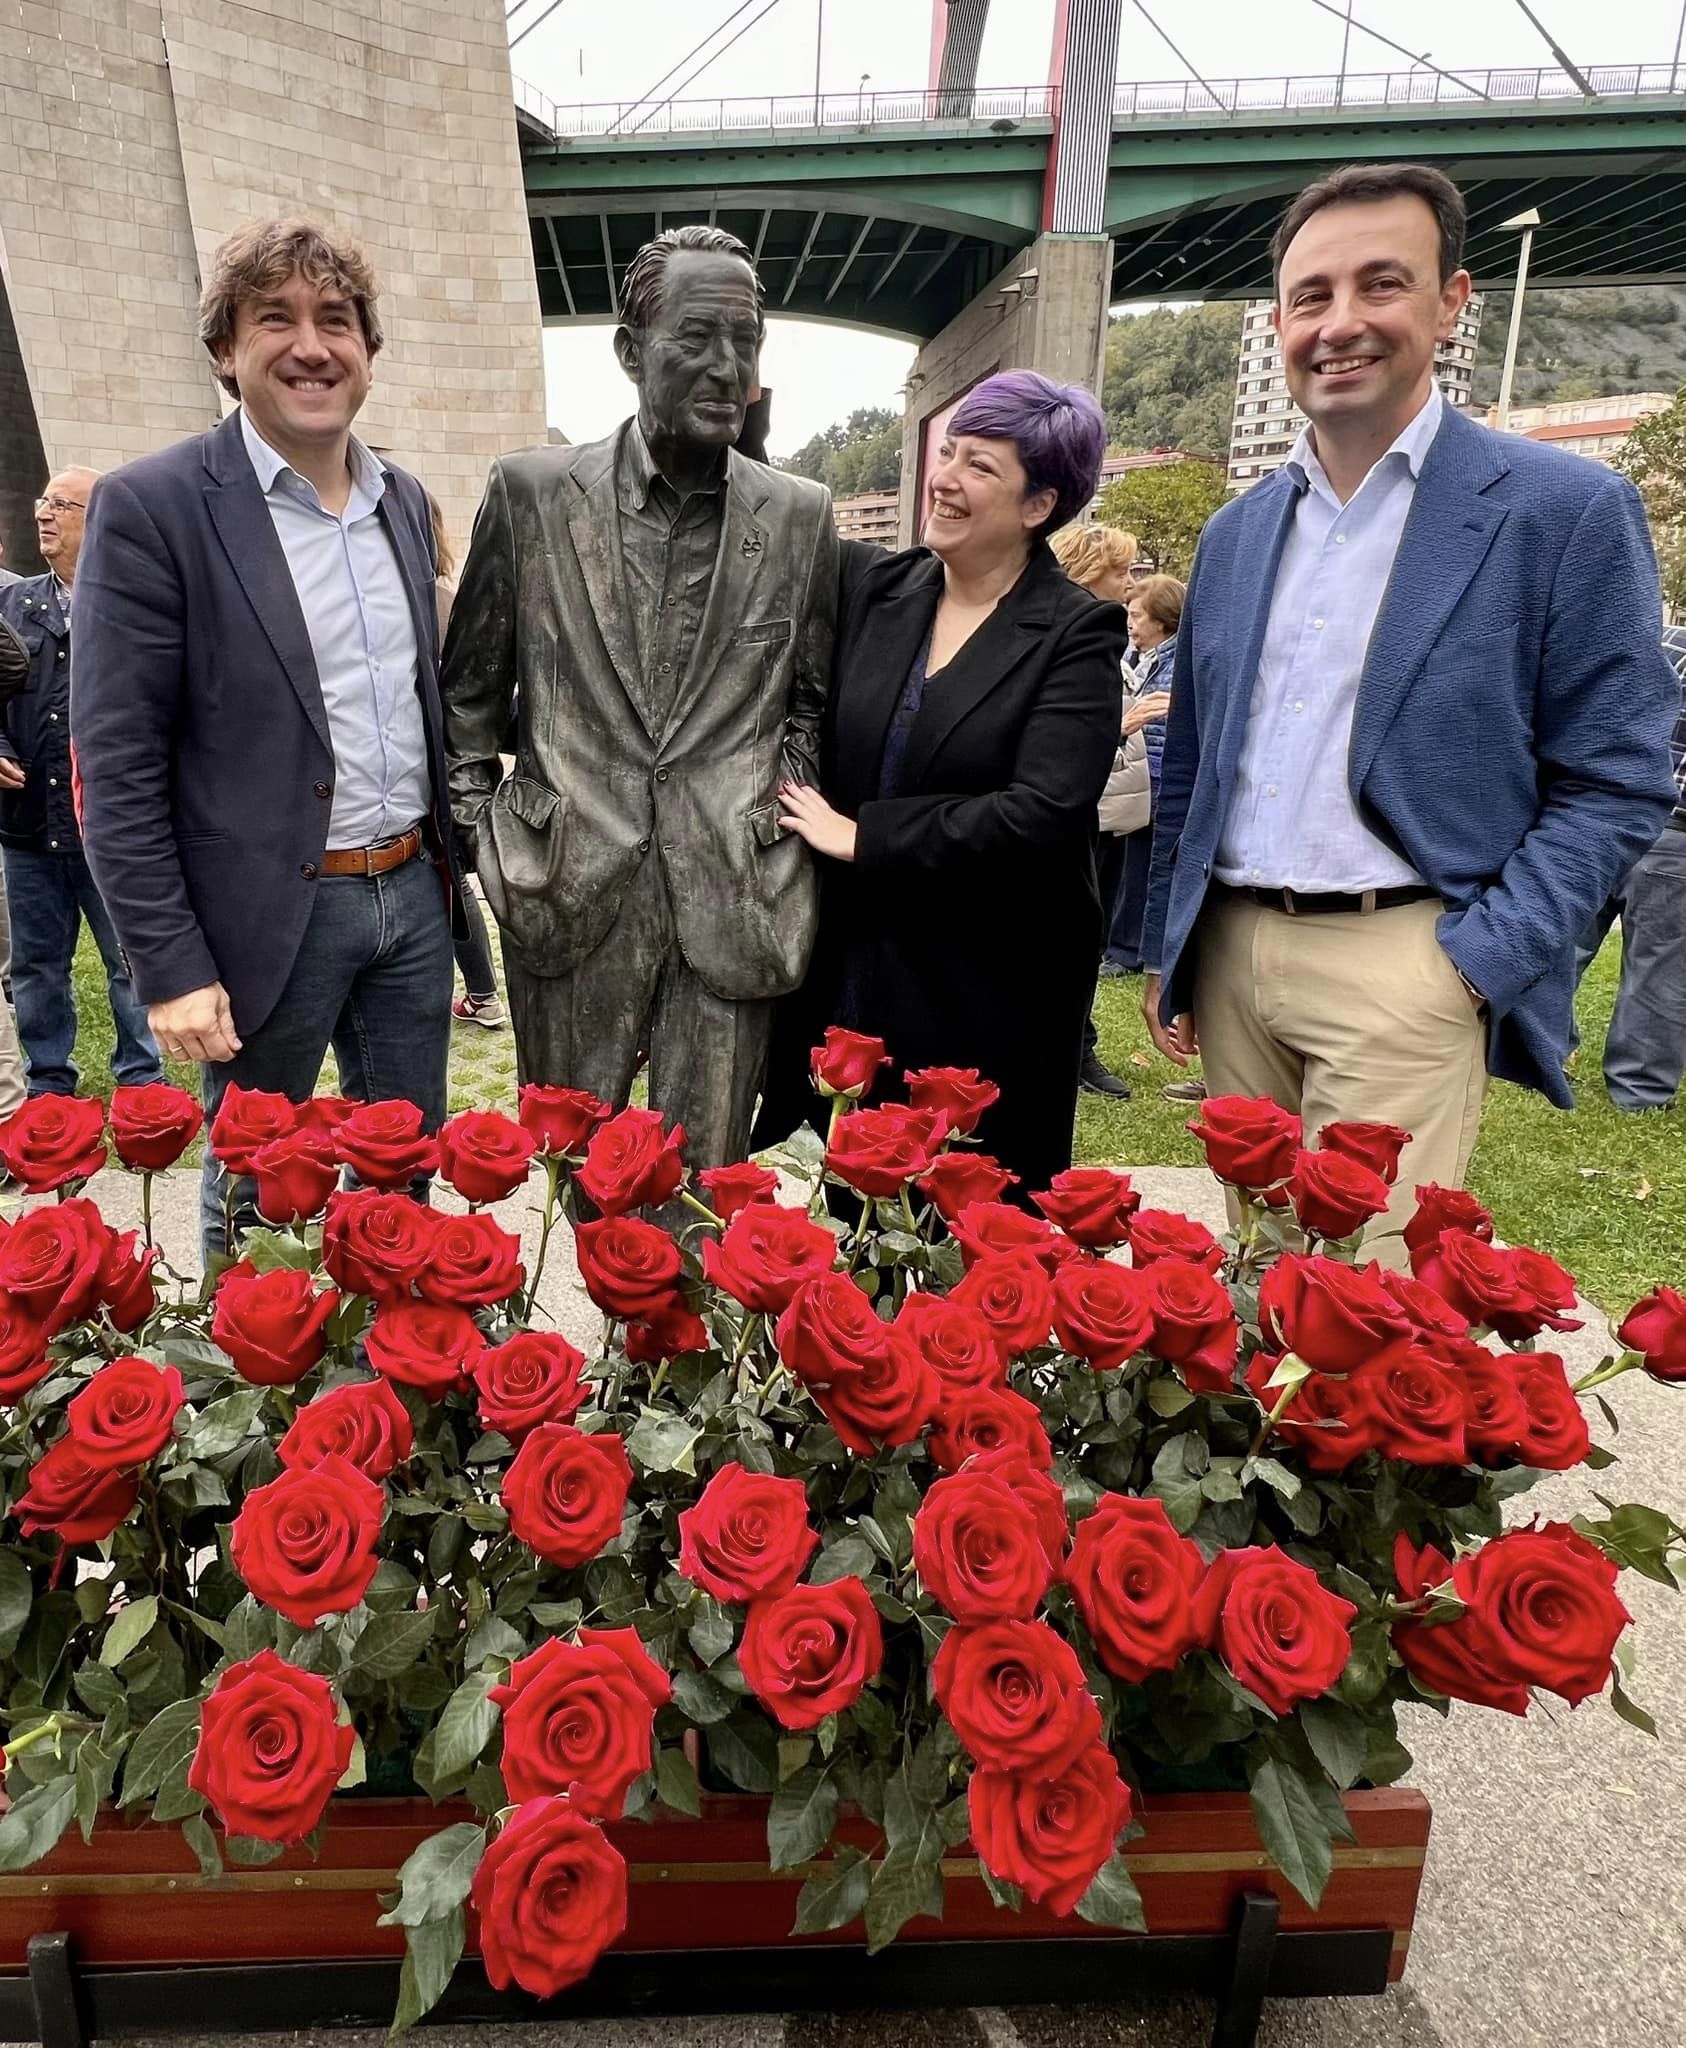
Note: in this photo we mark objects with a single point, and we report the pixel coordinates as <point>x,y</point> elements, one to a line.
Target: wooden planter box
<point>123,1934</point>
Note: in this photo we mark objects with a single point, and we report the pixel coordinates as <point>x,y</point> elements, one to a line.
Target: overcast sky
<point>597,50</point>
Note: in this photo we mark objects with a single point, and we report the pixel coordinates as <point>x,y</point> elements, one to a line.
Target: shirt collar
<point>1413,444</point>
<point>367,470</point>
<point>639,474</point>
<point>61,590</point>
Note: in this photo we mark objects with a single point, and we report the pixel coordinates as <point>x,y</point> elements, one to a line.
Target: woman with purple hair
<point>973,718</point>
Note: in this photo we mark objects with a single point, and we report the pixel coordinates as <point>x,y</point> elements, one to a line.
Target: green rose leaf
<point>1339,1739</point>
<point>747,1754</point>
<point>676,1782</point>
<point>835,1894</point>
<point>663,1443</point>
<point>17,1595</point>
<point>709,1630</point>
<point>268,1251</point>
<point>801,1818</point>
<point>1292,1817</point>
<point>34,1822</point>
<point>431,1954</point>
<point>464,1727</point>
<point>904,1887</point>
<point>1112,1900</point>
<point>436,1875</point>
<point>130,1628</point>
<point>168,1739</point>
<point>391,1643</point>
<point>701,1698</point>
<point>223,1426</point>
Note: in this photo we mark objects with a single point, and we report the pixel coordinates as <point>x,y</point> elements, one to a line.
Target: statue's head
<point>690,335</point>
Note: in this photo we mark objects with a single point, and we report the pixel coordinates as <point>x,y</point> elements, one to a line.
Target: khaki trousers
<point>1346,1016</point>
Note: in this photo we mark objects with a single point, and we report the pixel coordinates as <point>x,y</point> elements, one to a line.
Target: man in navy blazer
<point>1419,718</point>
<point>255,707</point>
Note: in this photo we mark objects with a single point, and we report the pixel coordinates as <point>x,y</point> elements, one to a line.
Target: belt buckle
<point>1288,903</point>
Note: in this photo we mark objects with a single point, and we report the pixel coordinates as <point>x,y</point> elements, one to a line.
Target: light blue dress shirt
<point>363,635</point>
<point>1292,822</point>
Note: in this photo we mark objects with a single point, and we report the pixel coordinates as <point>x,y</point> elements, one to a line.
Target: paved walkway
<point>1554,1905</point>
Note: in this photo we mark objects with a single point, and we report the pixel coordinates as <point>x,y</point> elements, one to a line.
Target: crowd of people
<point>1359,802</point>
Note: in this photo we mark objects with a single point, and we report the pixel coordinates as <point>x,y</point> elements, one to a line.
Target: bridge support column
<point>1047,311</point>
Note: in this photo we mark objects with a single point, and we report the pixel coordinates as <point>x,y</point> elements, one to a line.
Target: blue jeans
<point>49,895</point>
<point>372,978</point>
<point>1645,1050</point>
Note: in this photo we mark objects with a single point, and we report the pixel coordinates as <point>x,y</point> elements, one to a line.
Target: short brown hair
<point>1161,597</point>
<point>1087,553</point>
<point>265,254</point>
<point>1360,184</point>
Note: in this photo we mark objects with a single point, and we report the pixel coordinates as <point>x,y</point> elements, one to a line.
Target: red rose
<point>889,1401</point>
<point>271,1749</point>
<point>560,1120</point>
<point>550,1896</point>
<point>246,1120</point>
<point>953,1340</point>
<point>1451,1657</point>
<point>958,1092</point>
<point>23,1350</point>
<point>273,1325</point>
<point>322,1114</point>
<point>1543,1601</point>
<point>385,1144</point>
<point>1050,1836</point>
<point>566,1492</point>
<point>666,1332</point>
<point>830,1331</point>
<point>847,1063</point>
<point>747,1536</point>
<point>811,1652</point>
<point>1430,1315</point>
<point>1250,1141</point>
<point>1016,1696</point>
<point>1101,1312</point>
<point>765,1254</point>
<point>577,1719</point>
<point>51,1261</point>
<point>126,1287</point>
<point>76,1501</point>
<point>1156,1234</point>
<point>376,1244</point>
<point>1092,1204</point>
<point>984,1419</point>
<point>988,1230</point>
<point>1514,1292</point>
<point>731,1188</point>
<point>485,1156</point>
<point>633,1162</point>
<point>1326,1420</point>
<point>152,1126</point>
<point>1494,1417</point>
<point>433,1348</point>
<point>1283,1634</point>
<point>955,1180</point>
<point>977,1548</point>
<point>1037,1490</point>
<point>1554,1435</point>
<point>49,1141</point>
<point>305,1543</point>
<point>364,1423</point>
<point>126,1414</point>
<point>1334,1195</point>
<point>1194,1326</point>
<point>472,1262</point>
<point>1547,1290</point>
<point>535,1376</point>
<point>1416,1408</point>
<point>878,1151</point>
<point>295,1176</point>
<point>1014,1296</point>
<point>1656,1327</point>
<point>1440,1209</point>
<point>1134,1580</point>
<point>1376,1146</point>
<point>629,1267</point>
<point>1330,1315</point>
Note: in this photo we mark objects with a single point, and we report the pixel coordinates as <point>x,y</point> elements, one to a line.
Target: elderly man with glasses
<point>48,886</point>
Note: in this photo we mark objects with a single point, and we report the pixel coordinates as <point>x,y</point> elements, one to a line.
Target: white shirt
<point>363,636</point>
<point>1292,821</point>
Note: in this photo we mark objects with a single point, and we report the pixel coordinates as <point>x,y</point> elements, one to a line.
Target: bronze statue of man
<point>657,612</point>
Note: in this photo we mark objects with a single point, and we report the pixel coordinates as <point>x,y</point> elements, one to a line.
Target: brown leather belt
<point>373,860</point>
<point>1321,903</point>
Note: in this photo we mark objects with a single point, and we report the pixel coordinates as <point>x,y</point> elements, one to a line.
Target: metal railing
<point>985,109</point>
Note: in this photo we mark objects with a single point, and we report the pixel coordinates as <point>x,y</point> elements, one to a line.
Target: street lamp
<point>1525,224</point>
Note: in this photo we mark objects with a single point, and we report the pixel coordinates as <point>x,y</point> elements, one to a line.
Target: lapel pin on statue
<point>751,545</point>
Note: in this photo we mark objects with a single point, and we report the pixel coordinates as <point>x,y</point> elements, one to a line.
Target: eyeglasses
<point>61,505</point>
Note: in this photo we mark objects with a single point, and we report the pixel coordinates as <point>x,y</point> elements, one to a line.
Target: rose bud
<point>979,1421</point>
<point>1376,1146</point>
<point>1194,1325</point>
<point>323,1114</point>
<point>152,1126</point>
<point>1329,1314</point>
<point>1280,1630</point>
<point>1016,1696</point>
<point>629,1267</point>
<point>954,1340</point>
<point>126,1288</point>
<point>957,1092</point>
<point>1656,1327</point>
<point>977,1548</point>
<point>376,1244</point>
<point>987,1229</point>
<point>246,1119</point>
<point>847,1063</point>
<point>560,1120</point>
<point>1014,1296</point>
<point>731,1188</point>
<point>52,1141</point>
<point>472,1262</point>
<point>889,1401</point>
<point>484,1156</point>
<point>1543,1605</point>
<point>272,1325</point>
<point>1101,1313</point>
<point>1439,1209</point>
<point>830,1331</point>
<point>669,1331</point>
<point>126,1414</point>
<point>1134,1579</point>
<point>1554,1435</point>
<point>24,1362</point>
<point>385,1145</point>
<point>955,1180</point>
<point>633,1162</point>
<point>271,1749</point>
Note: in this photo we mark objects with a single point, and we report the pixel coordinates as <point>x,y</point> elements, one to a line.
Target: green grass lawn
<point>1602,1192</point>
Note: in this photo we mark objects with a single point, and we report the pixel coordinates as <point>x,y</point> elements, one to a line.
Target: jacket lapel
<point>243,524</point>
<point>1267,516</point>
<point>892,631</point>
<point>594,524</point>
<point>743,549</point>
<point>1447,534</point>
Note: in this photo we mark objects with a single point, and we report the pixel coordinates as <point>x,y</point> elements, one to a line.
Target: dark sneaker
<point>1094,1079</point>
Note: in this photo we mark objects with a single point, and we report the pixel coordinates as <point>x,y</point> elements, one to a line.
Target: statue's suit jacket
<point>541,625</point>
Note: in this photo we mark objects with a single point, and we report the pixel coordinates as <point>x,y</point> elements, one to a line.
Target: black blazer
<point>207,770</point>
<point>967,928</point>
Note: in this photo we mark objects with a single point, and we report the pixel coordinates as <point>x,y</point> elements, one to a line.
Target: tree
<point>1165,507</point>
<point>1169,380</point>
<point>863,453</point>
<point>1655,459</point>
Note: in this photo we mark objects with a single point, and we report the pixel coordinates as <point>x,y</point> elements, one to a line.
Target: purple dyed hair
<point>1058,429</point>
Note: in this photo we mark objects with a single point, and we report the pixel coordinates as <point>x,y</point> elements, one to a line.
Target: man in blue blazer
<point>1419,717</point>
<point>255,707</point>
